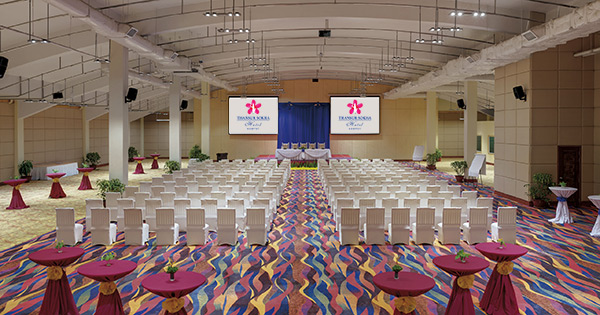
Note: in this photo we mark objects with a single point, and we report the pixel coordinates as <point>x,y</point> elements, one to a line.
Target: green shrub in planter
<point>111,185</point>
<point>171,166</point>
<point>196,153</point>
<point>538,189</point>
<point>92,158</point>
<point>132,152</point>
<point>25,168</point>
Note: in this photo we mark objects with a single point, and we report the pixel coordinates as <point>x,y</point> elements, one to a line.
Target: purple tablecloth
<point>499,296</point>
<point>85,179</point>
<point>185,283</point>
<point>56,191</point>
<point>139,169</point>
<point>407,284</point>
<point>16,202</point>
<point>460,301</point>
<point>101,271</point>
<point>58,298</point>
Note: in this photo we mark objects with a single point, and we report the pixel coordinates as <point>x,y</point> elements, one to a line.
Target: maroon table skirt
<point>139,169</point>
<point>56,191</point>
<point>499,296</point>
<point>16,202</point>
<point>407,284</point>
<point>185,282</point>
<point>154,161</point>
<point>85,179</point>
<point>107,272</point>
<point>460,301</point>
<point>58,298</point>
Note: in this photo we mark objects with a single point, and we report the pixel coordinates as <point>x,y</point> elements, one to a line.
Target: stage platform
<point>333,157</point>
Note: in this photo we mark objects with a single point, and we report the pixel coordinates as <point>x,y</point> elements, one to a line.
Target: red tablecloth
<point>139,169</point>
<point>185,283</point>
<point>499,296</point>
<point>85,180</point>
<point>17,200</point>
<point>56,191</point>
<point>101,271</point>
<point>154,161</point>
<point>58,298</point>
<point>460,301</point>
<point>407,284</point>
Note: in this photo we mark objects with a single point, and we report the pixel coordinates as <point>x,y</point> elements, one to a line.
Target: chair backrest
<point>180,205</point>
<point>206,190</point>
<point>390,203</point>
<point>255,216</point>
<point>304,144</point>
<point>366,203</point>
<point>156,190</point>
<point>181,191</point>
<point>157,181</point>
<point>485,202</point>
<point>123,203</point>
<point>111,199</point>
<point>91,204</point>
<point>151,205</point>
<point>447,195</point>
<point>376,216</point>
<point>195,198</point>
<point>425,216</point>
<point>209,205</point>
<point>312,145</point>
<point>180,181</point>
<point>195,217</point>
<point>459,202</point>
<point>455,189</point>
<point>169,186</point>
<point>100,218</point>
<point>285,145</point>
<point>140,199</point>
<point>507,216</point>
<point>436,203</point>
<point>478,217</point>
<point>424,195</point>
<point>146,187</point>
<point>168,198</point>
<point>451,216</point>
<point>262,203</point>
<point>380,195</point>
<point>401,195</point>
<point>130,190</point>
<point>295,145</point>
<point>412,203</point>
<point>321,145</point>
<point>133,217</point>
<point>400,216</point>
<point>225,217</point>
<point>168,177</point>
<point>65,218</point>
<point>165,217</point>
<point>350,217</point>
<point>192,186</point>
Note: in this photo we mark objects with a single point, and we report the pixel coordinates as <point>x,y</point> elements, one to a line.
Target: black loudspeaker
<point>57,96</point>
<point>183,105</point>
<point>3,66</point>
<point>461,104</point>
<point>315,80</point>
<point>131,95</point>
<point>519,93</point>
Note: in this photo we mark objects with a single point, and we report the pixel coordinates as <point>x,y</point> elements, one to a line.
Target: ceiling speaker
<point>3,66</point>
<point>57,96</point>
<point>131,32</point>
<point>461,103</point>
<point>184,105</point>
<point>131,95</point>
<point>519,93</point>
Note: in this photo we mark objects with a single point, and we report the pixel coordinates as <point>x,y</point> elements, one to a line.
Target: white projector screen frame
<point>265,122</point>
<point>339,122</point>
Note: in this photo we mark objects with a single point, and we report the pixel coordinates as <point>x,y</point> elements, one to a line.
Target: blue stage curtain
<point>303,122</point>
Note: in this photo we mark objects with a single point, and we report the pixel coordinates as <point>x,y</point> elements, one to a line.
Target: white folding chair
<point>103,232</point>
<point>197,229</point>
<point>460,202</point>
<point>423,228</point>
<point>227,229</point>
<point>89,205</point>
<point>379,196</point>
<point>412,204</point>
<point>388,204</point>
<point>168,199</point>
<point>146,187</point>
<point>181,191</point>
<point>67,230</point>
<point>130,191</point>
<point>506,226</point>
<point>375,226</point>
<point>455,189</point>
<point>140,201</point>
<point>136,231</point>
<point>447,195</point>
<point>348,228</point>
<point>167,230</point>
<point>471,196</point>
<point>221,197</point>
<point>181,204</point>
<point>399,228</point>
<point>475,230</point>
<point>363,204</point>
<point>210,212</point>
<point>438,205</point>
<point>111,204</point>
<point>156,190</point>
<point>157,181</point>
<point>487,203</point>
<point>123,203</point>
<point>169,186</point>
<point>449,228</point>
<point>151,205</point>
<point>256,226</point>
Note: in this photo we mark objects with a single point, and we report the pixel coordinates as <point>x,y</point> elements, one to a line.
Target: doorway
<point>569,169</point>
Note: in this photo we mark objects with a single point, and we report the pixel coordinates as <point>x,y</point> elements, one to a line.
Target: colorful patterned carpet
<point>304,270</point>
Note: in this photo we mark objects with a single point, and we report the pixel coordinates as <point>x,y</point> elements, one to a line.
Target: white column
<point>205,143</point>
<point>470,123</point>
<point>142,135</point>
<point>432,122</point>
<point>118,113</point>
<point>19,132</point>
<point>175,120</point>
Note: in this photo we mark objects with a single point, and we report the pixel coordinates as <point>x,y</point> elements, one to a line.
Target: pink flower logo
<point>254,107</point>
<point>355,106</point>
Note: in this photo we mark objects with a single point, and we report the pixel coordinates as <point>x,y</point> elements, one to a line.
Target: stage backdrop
<point>303,122</point>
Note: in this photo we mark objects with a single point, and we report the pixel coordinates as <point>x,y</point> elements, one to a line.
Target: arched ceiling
<point>365,36</point>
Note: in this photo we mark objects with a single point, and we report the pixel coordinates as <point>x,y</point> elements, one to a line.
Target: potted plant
<point>171,270</point>
<point>438,154</point>
<point>562,183</point>
<point>502,244</point>
<point>132,152</point>
<point>196,153</point>
<point>109,185</point>
<point>538,189</point>
<point>460,167</point>
<point>59,246</point>
<point>25,169</point>
<point>462,255</point>
<point>431,160</point>
<point>396,269</point>
<point>92,158</point>
<point>171,166</point>
<point>108,257</point>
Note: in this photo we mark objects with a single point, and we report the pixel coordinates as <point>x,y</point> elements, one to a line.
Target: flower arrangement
<point>108,257</point>
<point>502,243</point>
<point>59,245</point>
<point>54,171</point>
<point>396,269</point>
<point>85,165</point>
<point>303,164</point>
<point>171,270</point>
<point>462,255</point>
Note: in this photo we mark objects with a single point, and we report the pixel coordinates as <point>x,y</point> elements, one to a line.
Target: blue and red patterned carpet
<point>304,270</point>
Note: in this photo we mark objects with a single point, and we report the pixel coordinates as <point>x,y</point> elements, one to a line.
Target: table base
<point>562,214</point>
<point>56,191</point>
<point>460,301</point>
<point>154,165</point>
<point>58,298</point>
<point>85,183</point>
<point>109,304</point>
<point>596,228</point>
<point>499,296</point>
<point>139,169</point>
<point>17,201</point>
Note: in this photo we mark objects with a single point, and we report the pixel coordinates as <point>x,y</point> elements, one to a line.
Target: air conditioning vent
<point>132,31</point>
<point>529,36</point>
<point>174,55</point>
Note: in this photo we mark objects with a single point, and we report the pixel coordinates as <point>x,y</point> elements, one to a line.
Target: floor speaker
<point>3,66</point>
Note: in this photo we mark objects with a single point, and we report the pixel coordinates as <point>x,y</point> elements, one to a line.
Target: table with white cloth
<point>39,171</point>
<point>596,201</point>
<point>299,154</point>
<point>562,209</point>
